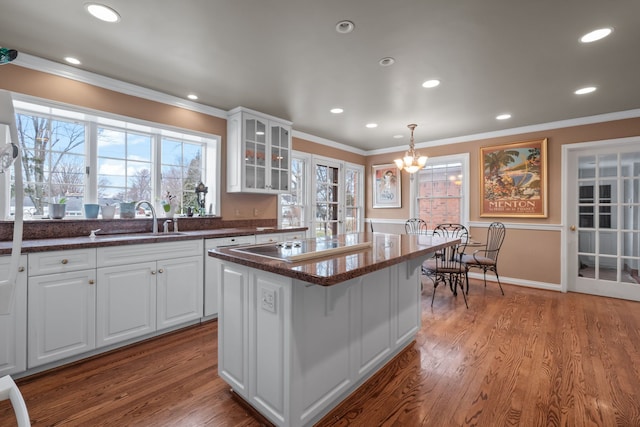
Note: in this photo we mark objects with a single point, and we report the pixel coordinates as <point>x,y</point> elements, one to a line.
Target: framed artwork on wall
<point>513,180</point>
<point>387,192</point>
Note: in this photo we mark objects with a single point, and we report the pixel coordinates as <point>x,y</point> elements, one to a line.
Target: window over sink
<point>85,156</point>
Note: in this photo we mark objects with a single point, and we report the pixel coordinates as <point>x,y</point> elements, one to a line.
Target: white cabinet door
<point>233,330</point>
<point>180,290</point>
<point>13,326</point>
<point>126,302</point>
<point>258,152</point>
<point>61,313</point>
<point>211,272</point>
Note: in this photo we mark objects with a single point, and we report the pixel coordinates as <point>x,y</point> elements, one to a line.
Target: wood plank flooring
<point>530,358</point>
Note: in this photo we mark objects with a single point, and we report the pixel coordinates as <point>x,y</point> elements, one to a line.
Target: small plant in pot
<point>58,209</point>
<point>167,205</point>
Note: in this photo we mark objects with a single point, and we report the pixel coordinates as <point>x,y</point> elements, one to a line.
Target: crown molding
<point>329,143</point>
<point>581,121</point>
<point>44,65</point>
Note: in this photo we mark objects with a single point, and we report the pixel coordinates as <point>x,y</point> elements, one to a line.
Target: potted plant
<point>58,209</point>
<point>127,210</point>
<point>108,211</point>
<point>167,205</point>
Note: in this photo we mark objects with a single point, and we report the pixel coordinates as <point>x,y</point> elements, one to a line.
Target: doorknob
<point>572,228</point>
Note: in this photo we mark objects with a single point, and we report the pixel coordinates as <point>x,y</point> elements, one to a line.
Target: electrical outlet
<point>237,212</point>
<point>268,299</point>
<point>255,211</point>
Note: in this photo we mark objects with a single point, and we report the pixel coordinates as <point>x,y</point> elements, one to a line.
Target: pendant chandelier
<point>412,161</point>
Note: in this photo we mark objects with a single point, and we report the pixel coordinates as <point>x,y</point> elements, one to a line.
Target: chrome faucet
<point>153,213</point>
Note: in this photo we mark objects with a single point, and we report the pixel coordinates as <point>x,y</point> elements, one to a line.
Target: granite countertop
<point>116,239</point>
<point>385,250</point>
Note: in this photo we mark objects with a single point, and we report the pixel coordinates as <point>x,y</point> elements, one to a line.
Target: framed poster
<point>387,192</point>
<point>513,180</point>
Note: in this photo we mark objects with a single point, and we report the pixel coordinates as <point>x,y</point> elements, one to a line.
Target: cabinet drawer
<point>278,237</point>
<point>229,241</point>
<point>130,254</point>
<point>61,261</point>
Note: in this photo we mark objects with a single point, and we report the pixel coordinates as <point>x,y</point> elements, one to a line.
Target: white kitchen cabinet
<point>148,287</point>
<point>180,290</point>
<point>13,326</point>
<point>212,272</point>
<point>61,305</point>
<point>294,350</point>
<point>258,152</point>
<point>126,302</point>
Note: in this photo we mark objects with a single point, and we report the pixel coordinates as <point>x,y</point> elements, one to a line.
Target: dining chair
<point>486,257</point>
<point>415,226</point>
<point>446,267</point>
<point>9,391</point>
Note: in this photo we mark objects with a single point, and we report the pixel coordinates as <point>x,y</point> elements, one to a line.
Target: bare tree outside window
<point>52,160</point>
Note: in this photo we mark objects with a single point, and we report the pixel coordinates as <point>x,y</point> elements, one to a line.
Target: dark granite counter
<point>384,250</point>
<point>127,238</point>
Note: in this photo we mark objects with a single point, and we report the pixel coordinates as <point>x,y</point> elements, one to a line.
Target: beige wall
<point>233,205</point>
<point>529,255</point>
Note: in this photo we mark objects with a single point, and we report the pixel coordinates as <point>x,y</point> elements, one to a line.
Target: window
<point>53,162</point>
<point>327,195</point>
<point>293,205</point>
<point>100,158</point>
<point>182,170</point>
<point>124,166</point>
<point>354,198</point>
<point>439,191</point>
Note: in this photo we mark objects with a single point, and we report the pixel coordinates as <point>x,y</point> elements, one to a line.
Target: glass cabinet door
<point>255,153</point>
<point>279,158</point>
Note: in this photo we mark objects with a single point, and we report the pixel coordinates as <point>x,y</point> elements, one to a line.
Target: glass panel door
<point>279,158</point>
<point>255,153</point>
<point>604,222</point>
<point>327,218</point>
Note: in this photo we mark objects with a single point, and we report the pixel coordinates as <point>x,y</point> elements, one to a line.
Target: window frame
<point>462,158</point>
<point>92,119</point>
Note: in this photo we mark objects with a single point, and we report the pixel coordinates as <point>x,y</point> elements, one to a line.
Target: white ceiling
<point>285,58</point>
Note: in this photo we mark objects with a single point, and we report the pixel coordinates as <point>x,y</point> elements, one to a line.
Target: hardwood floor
<point>530,358</point>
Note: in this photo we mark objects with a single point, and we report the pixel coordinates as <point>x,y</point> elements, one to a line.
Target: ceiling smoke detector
<point>345,27</point>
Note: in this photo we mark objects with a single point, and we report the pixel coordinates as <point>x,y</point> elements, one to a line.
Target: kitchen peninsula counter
<point>383,250</point>
<point>296,337</point>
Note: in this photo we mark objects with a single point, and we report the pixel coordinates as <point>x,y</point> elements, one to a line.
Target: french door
<point>328,197</point>
<point>603,218</point>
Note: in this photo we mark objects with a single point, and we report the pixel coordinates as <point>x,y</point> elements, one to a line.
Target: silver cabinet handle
<point>65,261</point>
<point>153,272</point>
<point>21,269</point>
<point>161,271</point>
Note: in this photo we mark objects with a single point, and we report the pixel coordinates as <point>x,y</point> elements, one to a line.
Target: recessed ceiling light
<point>385,62</point>
<point>596,35</point>
<point>102,12</point>
<point>504,116</point>
<point>372,125</point>
<point>72,60</point>
<point>431,83</point>
<point>337,110</point>
<point>345,27</point>
<point>585,90</point>
<point>192,96</point>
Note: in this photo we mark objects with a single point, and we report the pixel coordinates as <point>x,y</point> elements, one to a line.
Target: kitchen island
<point>302,324</point>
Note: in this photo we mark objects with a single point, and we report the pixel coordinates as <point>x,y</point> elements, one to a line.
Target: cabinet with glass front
<point>258,152</point>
